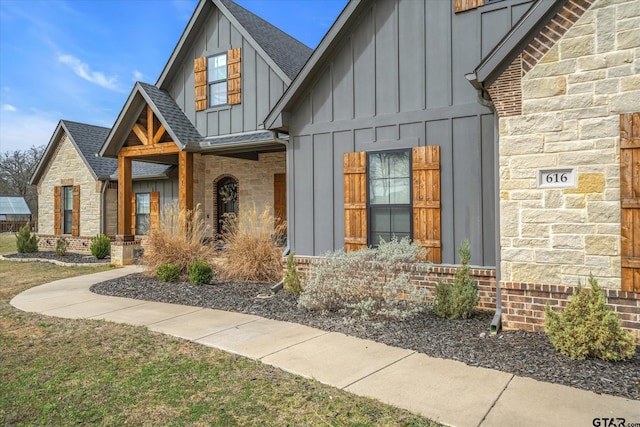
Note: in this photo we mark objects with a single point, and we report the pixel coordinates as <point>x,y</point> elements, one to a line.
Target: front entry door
<point>227,200</point>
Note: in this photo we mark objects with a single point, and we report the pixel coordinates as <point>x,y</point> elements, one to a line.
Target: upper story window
<point>217,79</point>
<point>67,207</point>
<point>389,182</point>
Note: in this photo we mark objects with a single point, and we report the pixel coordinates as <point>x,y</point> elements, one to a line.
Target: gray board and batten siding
<point>262,86</point>
<point>395,78</point>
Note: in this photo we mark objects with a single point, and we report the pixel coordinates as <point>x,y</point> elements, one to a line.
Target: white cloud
<point>9,107</point>
<point>21,131</point>
<point>83,70</point>
<point>137,76</point>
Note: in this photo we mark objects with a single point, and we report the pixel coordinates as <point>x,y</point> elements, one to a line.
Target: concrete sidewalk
<point>444,390</point>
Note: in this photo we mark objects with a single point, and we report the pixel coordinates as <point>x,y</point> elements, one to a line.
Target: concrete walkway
<point>444,390</point>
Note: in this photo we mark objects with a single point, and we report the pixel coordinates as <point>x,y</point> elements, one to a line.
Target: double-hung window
<point>217,79</point>
<point>67,207</point>
<point>143,213</point>
<point>389,182</point>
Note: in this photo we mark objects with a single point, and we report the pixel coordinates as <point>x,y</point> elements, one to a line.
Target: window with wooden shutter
<point>57,210</point>
<point>355,201</point>
<point>234,71</point>
<point>630,200</point>
<point>75,213</point>
<point>154,211</point>
<point>462,5</point>
<point>200,82</point>
<point>426,201</point>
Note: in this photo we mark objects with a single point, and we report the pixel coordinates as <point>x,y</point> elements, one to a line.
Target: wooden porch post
<point>185,180</point>
<point>124,198</point>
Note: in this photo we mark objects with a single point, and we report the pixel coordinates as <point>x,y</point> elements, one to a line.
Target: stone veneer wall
<point>255,181</point>
<point>67,168</point>
<point>571,97</point>
<point>571,101</point>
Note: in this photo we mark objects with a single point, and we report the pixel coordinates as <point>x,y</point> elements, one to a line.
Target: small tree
<point>26,242</point>
<point>292,279</point>
<point>460,298</point>
<point>588,327</point>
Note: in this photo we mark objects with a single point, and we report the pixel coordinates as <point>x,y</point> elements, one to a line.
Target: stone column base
<point>122,253</point>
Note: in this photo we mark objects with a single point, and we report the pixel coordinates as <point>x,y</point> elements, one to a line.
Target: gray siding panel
<point>363,66</point>
<point>168,189</point>
<point>396,80</point>
<point>467,187</point>
<point>322,193</point>
<point>303,214</point>
<point>386,54</point>
<point>261,86</point>
<point>342,143</point>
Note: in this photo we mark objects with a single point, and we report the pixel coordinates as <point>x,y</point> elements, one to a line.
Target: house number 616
<point>554,178</point>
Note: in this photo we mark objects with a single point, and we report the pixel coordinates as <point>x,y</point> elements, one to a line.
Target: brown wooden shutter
<point>200,82</point>
<point>57,210</point>
<point>630,200</point>
<point>154,210</point>
<point>280,199</point>
<point>234,80</point>
<point>462,5</point>
<point>355,201</point>
<point>75,213</point>
<point>133,214</point>
<point>426,201</point>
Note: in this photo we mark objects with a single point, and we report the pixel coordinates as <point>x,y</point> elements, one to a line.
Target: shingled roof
<point>287,52</point>
<point>87,140</point>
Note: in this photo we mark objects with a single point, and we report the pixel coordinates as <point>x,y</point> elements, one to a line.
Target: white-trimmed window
<point>217,79</point>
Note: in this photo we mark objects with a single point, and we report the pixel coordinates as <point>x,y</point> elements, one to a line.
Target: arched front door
<point>226,199</point>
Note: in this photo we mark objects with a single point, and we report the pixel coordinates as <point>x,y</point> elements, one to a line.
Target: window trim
<point>67,193</point>
<point>211,83</point>
<point>147,214</point>
<point>394,205</point>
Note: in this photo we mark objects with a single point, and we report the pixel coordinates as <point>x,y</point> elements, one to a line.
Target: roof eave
<point>514,41</point>
<point>272,119</point>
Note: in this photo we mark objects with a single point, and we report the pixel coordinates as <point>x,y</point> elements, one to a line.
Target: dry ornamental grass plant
<point>251,252</point>
<point>178,239</point>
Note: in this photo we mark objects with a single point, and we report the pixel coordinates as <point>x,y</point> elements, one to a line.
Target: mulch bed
<point>68,258</point>
<point>521,353</point>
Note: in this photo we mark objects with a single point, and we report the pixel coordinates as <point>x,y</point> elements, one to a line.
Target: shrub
<point>26,242</point>
<point>168,272</point>
<point>366,283</point>
<point>178,239</point>
<point>200,273</point>
<point>588,327</point>
<point>458,299</point>
<point>292,279</point>
<point>61,246</point>
<point>251,252</point>
<point>100,246</point>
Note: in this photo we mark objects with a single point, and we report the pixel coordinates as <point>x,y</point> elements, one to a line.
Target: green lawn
<point>62,372</point>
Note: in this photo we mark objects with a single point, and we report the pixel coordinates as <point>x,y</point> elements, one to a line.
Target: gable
<point>269,59</point>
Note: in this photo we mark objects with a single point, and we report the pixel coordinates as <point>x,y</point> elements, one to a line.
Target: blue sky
<point>78,59</point>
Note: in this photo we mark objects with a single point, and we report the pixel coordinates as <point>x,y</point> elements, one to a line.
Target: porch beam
<point>124,197</point>
<point>159,134</point>
<point>150,150</point>
<point>185,180</point>
<point>149,125</point>
<point>139,131</point>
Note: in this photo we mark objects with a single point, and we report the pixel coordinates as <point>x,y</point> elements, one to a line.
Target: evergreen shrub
<point>26,242</point>
<point>457,300</point>
<point>61,246</point>
<point>100,246</point>
<point>292,279</point>
<point>587,327</point>
<point>168,272</point>
<point>200,273</point>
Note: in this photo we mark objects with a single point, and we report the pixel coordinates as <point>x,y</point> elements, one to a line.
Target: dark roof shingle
<point>287,52</point>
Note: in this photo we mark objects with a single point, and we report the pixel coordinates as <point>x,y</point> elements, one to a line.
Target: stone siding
<point>571,101</point>
<point>255,181</point>
<point>67,168</point>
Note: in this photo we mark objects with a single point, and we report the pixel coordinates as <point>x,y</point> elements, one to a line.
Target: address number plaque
<point>557,178</point>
